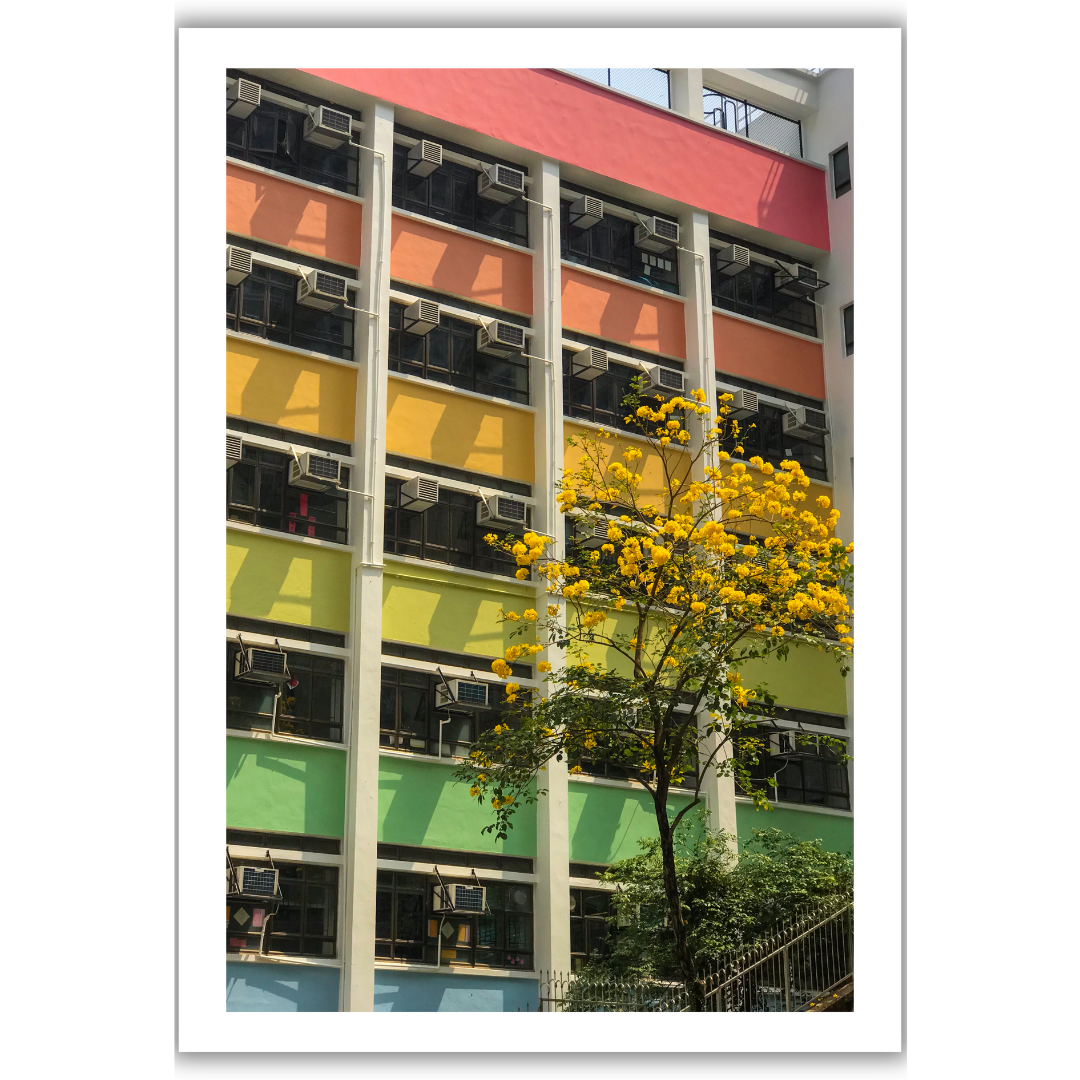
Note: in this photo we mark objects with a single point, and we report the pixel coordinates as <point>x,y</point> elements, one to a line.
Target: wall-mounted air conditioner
<point>795,279</point>
<point>242,98</point>
<point>585,212</point>
<point>500,183</point>
<point>745,403</point>
<point>500,338</point>
<point>589,363</point>
<point>327,127</point>
<point>261,666</point>
<point>237,264</point>
<point>463,898</point>
<point>664,379</point>
<point>314,473</point>
<point>656,234</point>
<point>463,692</point>
<point>318,289</point>
<point>419,494</point>
<point>799,420</point>
<point>255,880</point>
<point>498,509</point>
<point>421,317</point>
<point>424,158</point>
<point>731,259</point>
<point>234,449</point>
<point>784,744</point>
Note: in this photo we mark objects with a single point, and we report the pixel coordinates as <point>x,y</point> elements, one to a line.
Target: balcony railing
<point>649,84</point>
<point>757,124</point>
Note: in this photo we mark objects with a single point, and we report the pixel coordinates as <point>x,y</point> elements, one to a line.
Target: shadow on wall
<point>252,987</point>
<point>410,809</point>
<point>270,395</point>
<point>422,992</point>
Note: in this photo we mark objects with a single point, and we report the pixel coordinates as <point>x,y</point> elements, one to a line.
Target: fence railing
<point>757,124</point>
<point>649,84</point>
<point>804,959</point>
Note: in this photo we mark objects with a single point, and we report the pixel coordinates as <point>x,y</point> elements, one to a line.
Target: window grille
<point>757,124</point>
<point>649,84</point>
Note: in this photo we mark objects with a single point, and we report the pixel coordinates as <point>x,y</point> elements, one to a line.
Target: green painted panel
<point>281,580</point>
<point>807,679</point>
<point>836,833</point>
<point>421,804</point>
<point>276,787</point>
<point>607,822</point>
<point>441,610</point>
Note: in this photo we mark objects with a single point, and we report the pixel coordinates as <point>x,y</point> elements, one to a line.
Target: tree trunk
<point>695,987</point>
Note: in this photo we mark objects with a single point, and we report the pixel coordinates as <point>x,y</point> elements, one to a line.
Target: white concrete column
<point>685,88</point>
<point>551,903</point>
<point>366,516</point>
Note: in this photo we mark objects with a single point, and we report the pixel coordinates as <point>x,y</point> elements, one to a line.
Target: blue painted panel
<point>254,987</point>
<point>417,991</point>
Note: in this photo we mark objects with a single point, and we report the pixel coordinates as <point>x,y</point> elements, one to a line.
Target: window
<point>448,354</point>
<point>609,246</point>
<point>446,533</point>
<point>449,194</point>
<point>299,438</point>
<point>284,630</point>
<point>841,171</point>
<point>598,400</point>
<point>763,434</point>
<point>432,468</point>
<point>257,491</point>
<point>813,778</point>
<point>407,927</point>
<point>436,856</point>
<point>409,718</point>
<point>449,659</point>
<point>324,845</point>
<point>306,920</point>
<point>273,137</point>
<point>757,124</point>
<point>750,292</point>
<point>264,304</point>
<point>849,329</point>
<point>313,709</point>
<point>590,931</point>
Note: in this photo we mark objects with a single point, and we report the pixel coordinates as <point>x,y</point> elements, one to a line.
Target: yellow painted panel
<point>287,582</point>
<point>288,390</point>
<point>435,424</point>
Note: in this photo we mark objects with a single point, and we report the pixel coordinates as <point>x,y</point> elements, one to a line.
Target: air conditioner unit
<point>799,420</point>
<point>464,692</point>
<point>500,183</point>
<point>464,898</point>
<point>234,449</point>
<point>318,289</point>
<point>663,378</point>
<point>732,259</point>
<point>794,279</point>
<point>589,363</point>
<point>657,234</point>
<point>499,509</point>
<point>255,880</point>
<point>421,317</point>
<point>261,666</point>
<point>745,403</point>
<point>586,212</point>
<point>500,338</point>
<point>314,473</point>
<point>242,98</point>
<point>237,264</point>
<point>424,158</point>
<point>327,127</point>
<point>419,494</point>
<point>783,744</point>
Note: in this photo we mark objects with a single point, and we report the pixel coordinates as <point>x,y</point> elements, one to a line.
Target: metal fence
<point>758,125</point>
<point>803,961</point>
<point>649,84</point>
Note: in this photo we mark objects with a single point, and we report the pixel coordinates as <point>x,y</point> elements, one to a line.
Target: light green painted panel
<point>441,610</point>
<point>836,833</point>
<point>275,787</point>
<point>287,582</point>
<point>807,679</point>
<point>421,804</point>
<point>607,822</point>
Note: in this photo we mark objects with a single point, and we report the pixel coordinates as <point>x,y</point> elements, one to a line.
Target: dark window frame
<point>751,293</point>
<point>841,178</point>
<point>590,928</point>
<point>762,435</point>
<point>847,316</point>
<point>812,778</point>
<point>580,396</point>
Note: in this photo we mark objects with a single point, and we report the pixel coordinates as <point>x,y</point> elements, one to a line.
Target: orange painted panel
<point>765,355</point>
<point>425,254</point>
<point>595,305</point>
<point>281,212</point>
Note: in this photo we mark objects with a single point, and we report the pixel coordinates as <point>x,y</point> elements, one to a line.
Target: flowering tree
<point>683,566</point>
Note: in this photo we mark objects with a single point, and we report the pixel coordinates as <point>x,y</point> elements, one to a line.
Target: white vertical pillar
<point>685,88</point>
<point>551,907</point>
<point>365,628</point>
